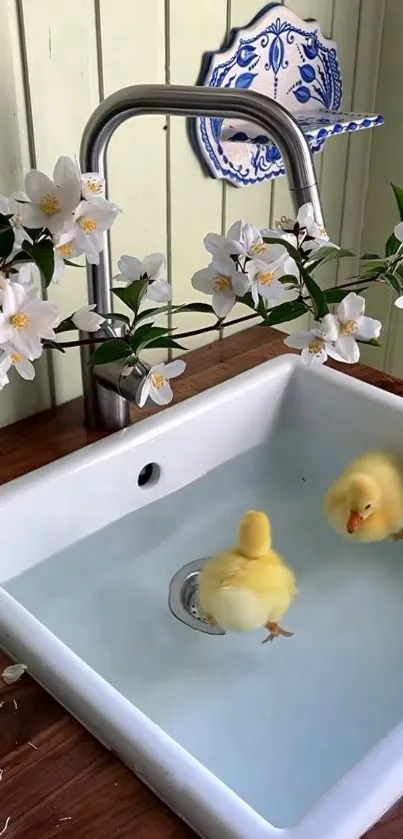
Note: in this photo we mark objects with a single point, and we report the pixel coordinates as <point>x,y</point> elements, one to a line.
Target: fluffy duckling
<point>248,586</point>
<point>366,502</point>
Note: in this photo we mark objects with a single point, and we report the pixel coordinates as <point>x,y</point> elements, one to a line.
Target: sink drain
<point>183,600</point>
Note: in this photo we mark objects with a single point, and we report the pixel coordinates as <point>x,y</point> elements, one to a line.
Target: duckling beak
<point>354,522</point>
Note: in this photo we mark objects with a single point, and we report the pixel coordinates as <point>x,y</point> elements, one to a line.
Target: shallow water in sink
<point>279,723</point>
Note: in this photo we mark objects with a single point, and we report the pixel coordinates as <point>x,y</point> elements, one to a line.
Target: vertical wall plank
<point>19,398</point>
<point>386,166</point>
<point>63,81</point>
<point>359,148</point>
<point>195,199</point>
<point>137,162</point>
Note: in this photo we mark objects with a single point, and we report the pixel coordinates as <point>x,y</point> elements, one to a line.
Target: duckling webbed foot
<point>275,631</point>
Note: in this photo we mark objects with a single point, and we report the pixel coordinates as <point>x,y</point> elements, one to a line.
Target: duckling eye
<point>368,507</point>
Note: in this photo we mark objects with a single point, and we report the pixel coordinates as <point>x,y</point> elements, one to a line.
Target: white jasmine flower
<point>65,249</point>
<point>398,231</point>
<point>348,326</point>
<point>10,358</point>
<point>152,268</point>
<point>265,275</point>
<point>13,672</point>
<point>87,320</point>
<point>51,203</point>
<point>25,320</point>
<point>91,220</point>
<point>92,183</point>
<point>308,227</point>
<point>242,239</point>
<point>399,302</point>
<point>223,281</point>
<point>315,348</point>
<point>156,384</point>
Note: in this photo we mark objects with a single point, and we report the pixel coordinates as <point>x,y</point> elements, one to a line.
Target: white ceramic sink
<point>300,739</point>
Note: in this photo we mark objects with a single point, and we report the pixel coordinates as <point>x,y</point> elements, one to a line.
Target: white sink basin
<point>300,739</point>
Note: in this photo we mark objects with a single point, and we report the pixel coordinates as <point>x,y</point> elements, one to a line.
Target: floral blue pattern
<point>289,60</point>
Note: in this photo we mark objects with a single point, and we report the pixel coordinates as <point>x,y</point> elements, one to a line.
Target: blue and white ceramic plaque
<point>289,60</point>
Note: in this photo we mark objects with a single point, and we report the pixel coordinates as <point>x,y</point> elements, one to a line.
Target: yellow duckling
<point>366,501</point>
<point>249,586</point>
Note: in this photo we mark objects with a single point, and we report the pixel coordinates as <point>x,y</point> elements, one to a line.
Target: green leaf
<point>398,191</point>
<point>393,281</point>
<point>66,325</point>
<point>290,248</point>
<point>202,308</point>
<point>131,295</point>
<point>392,245</point>
<point>327,254</point>
<point>43,255</point>
<point>248,300</point>
<point>145,334</point>
<point>6,237</point>
<point>116,316</point>
<point>285,311</point>
<point>72,264</point>
<point>289,279</point>
<point>372,343</point>
<point>318,298</point>
<point>336,295</point>
<point>165,341</point>
<point>113,350</point>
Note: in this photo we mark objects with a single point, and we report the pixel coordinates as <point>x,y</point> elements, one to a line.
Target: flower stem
<point>178,335</point>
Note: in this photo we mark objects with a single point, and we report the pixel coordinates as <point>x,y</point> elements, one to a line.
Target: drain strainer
<point>183,600</point>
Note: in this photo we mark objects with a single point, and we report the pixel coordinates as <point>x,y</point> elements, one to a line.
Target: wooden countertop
<point>57,781</point>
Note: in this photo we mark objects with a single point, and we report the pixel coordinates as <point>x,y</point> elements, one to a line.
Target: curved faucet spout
<point>103,408</point>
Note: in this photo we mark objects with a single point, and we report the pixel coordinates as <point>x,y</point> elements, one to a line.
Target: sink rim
<point>141,744</point>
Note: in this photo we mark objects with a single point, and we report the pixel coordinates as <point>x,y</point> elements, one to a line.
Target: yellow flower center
<point>348,328</point>
<point>50,204</point>
<point>158,380</point>
<point>315,347</point>
<point>221,283</point>
<point>257,248</point>
<point>88,225</point>
<point>322,231</point>
<point>265,278</point>
<point>94,186</point>
<point>64,251</point>
<point>19,321</point>
<point>16,356</point>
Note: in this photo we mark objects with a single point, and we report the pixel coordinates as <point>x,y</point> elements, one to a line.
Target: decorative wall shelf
<point>287,59</point>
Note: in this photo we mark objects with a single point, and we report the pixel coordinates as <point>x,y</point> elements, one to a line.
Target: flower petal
<point>306,217</point>
<point>5,361</point>
<point>5,329</point>
<point>240,283</point>
<point>37,184</point>
<point>92,185</point>
<point>329,328</point>
<point>399,300</point>
<point>351,308</point>
<point>203,280</point>
<point>143,392</point>
<point>368,328</point>
<point>27,343</point>
<point>130,267</point>
<point>223,302</point>
<point>13,299</point>
<point>159,290</point>
<point>25,368</point>
<point>299,340</point>
<point>162,395</point>
<point>174,368</point>
<point>346,348</point>
<point>398,231</point>
<point>66,169</point>
<point>273,291</point>
<point>154,265</point>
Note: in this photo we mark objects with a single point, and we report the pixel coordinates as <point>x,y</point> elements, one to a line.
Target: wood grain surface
<point>56,780</point>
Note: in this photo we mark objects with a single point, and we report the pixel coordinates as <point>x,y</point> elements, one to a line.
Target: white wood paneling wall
<point>57,62</point>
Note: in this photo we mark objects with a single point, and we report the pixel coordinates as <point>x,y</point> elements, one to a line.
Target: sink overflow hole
<point>149,475</point>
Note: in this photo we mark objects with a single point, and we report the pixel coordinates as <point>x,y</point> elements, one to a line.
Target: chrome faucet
<point>105,407</point>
